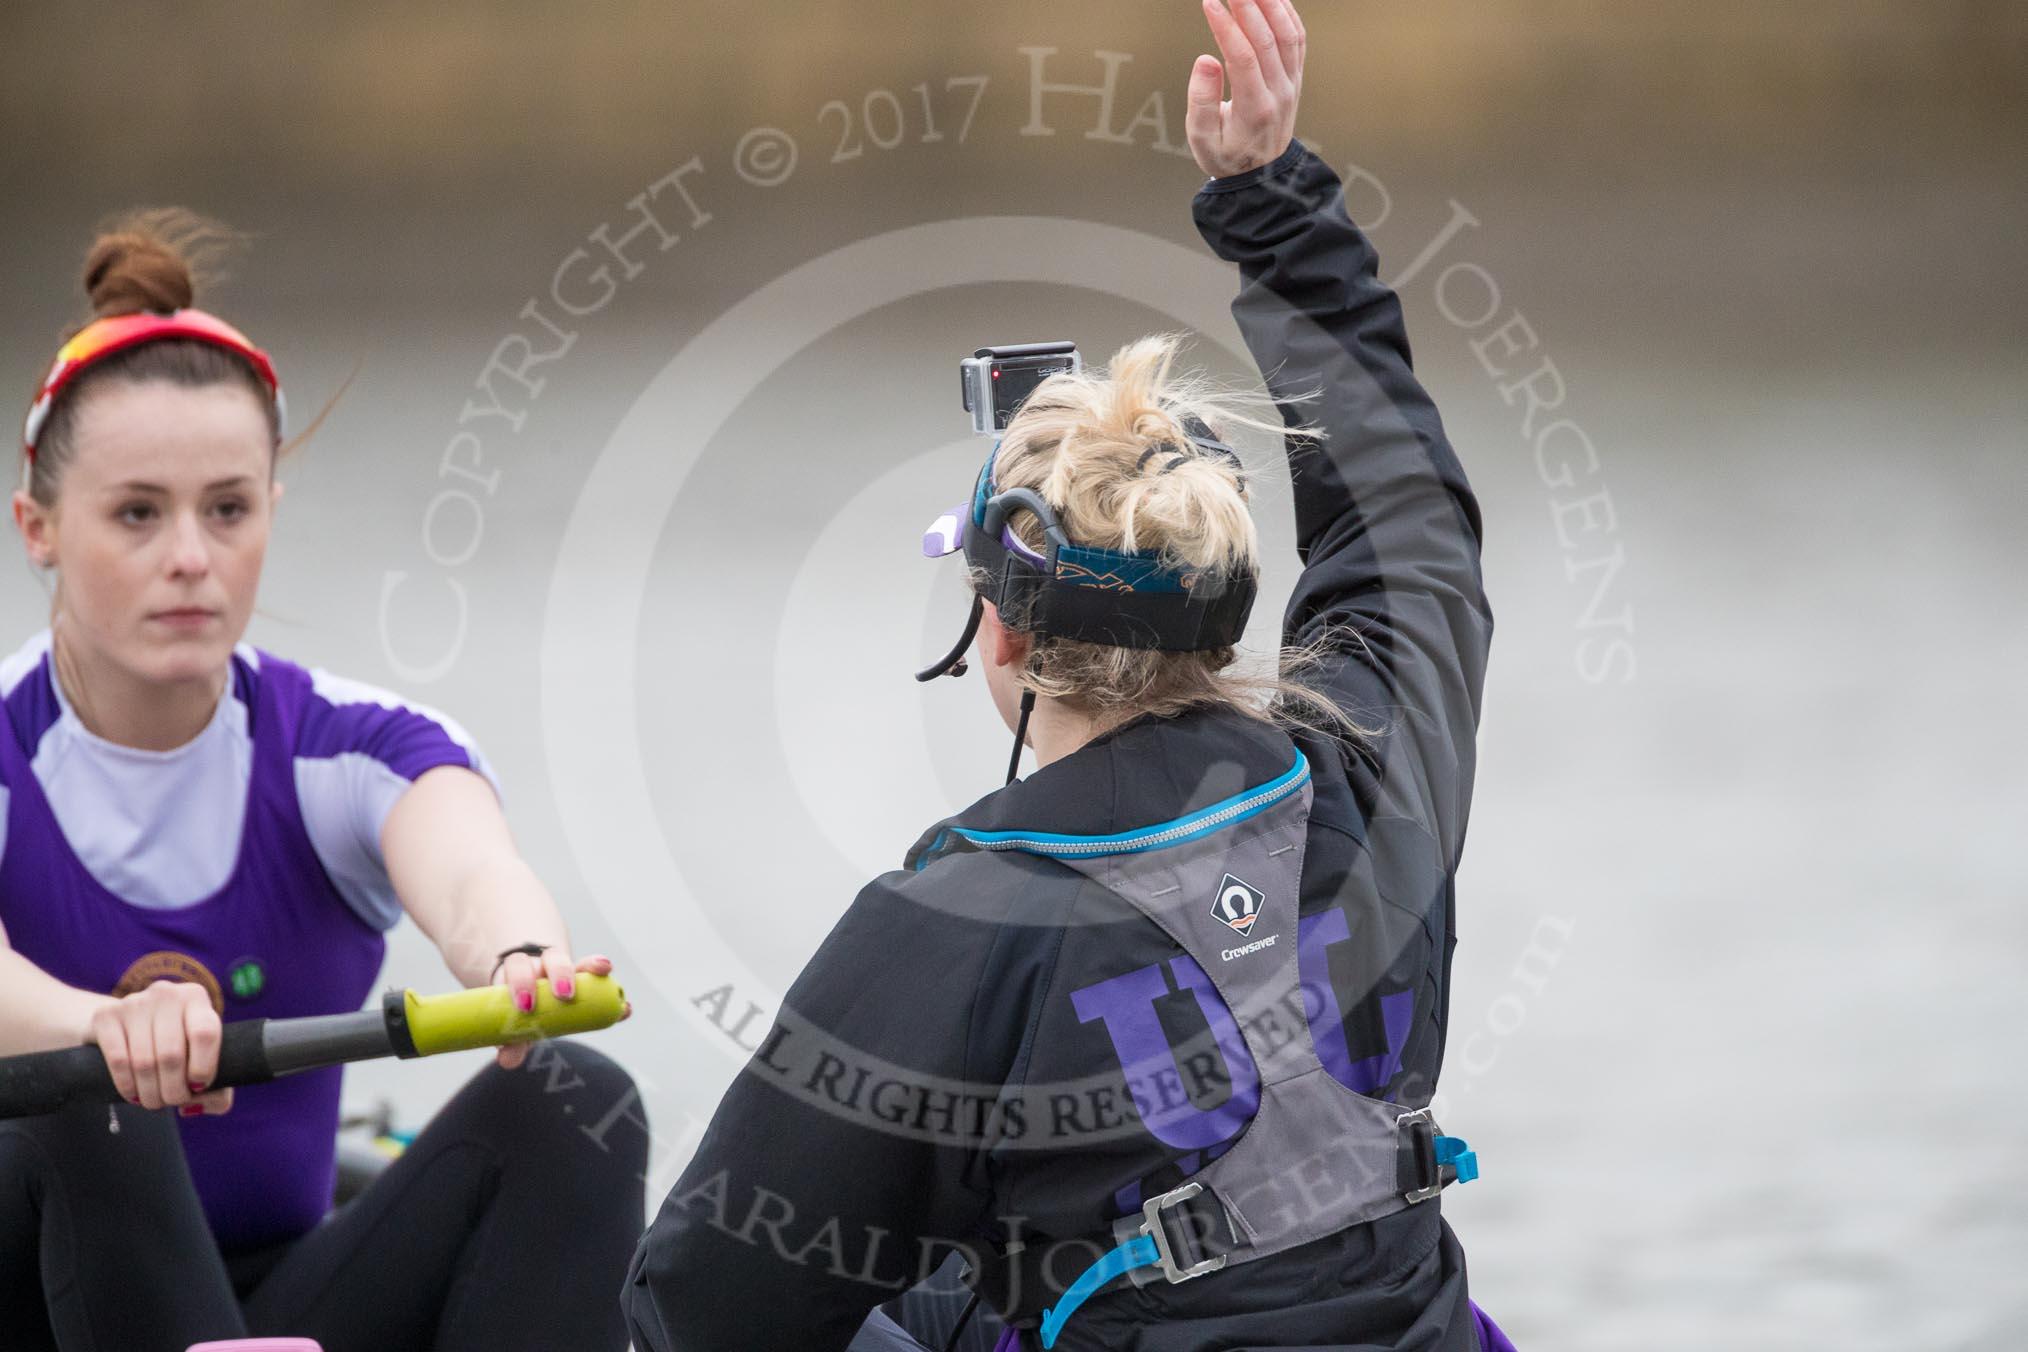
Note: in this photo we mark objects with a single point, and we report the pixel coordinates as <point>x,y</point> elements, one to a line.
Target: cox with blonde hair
<point>1130,463</point>
<point>1146,1039</point>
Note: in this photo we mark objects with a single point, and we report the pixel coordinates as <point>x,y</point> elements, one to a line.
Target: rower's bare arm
<point>160,1042</point>
<point>458,873</point>
<point>38,1013</point>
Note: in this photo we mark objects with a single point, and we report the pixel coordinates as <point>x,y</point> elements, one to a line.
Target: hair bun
<point>127,273</point>
<point>151,260</point>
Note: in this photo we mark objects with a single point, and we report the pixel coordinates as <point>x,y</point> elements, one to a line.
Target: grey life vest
<point>1317,1157</point>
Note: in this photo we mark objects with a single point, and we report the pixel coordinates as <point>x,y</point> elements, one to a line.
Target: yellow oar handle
<point>254,1051</point>
<point>486,1016</point>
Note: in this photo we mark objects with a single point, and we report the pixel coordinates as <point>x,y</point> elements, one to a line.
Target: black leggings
<point>508,1224</point>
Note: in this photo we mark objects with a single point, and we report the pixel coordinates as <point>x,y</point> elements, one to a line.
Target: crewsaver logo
<point>1238,904</point>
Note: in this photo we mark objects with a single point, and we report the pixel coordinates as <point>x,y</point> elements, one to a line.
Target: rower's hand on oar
<point>520,973</point>
<point>161,1047</point>
<point>1263,44</point>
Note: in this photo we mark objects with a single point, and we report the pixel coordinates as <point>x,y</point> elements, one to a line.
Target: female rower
<point>194,830</point>
<point>1149,1036</point>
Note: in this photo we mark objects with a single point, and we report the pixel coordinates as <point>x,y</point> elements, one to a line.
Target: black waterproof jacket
<point>930,1080</point>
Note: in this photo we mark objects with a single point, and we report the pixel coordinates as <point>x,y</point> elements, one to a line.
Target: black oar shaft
<point>325,1040</point>
<point>44,1082</point>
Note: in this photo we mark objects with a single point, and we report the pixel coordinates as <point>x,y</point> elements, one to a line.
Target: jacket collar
<point>1149,783</point>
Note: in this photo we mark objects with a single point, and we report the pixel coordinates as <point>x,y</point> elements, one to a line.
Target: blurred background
<point>1742,944</point>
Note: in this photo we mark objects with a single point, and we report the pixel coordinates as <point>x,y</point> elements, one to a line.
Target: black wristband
<point>532,949</point>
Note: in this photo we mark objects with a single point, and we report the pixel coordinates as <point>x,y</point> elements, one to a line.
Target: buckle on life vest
<point>1156,1228</point>
<point>1429,1160</point>
<point>1151,1245</point>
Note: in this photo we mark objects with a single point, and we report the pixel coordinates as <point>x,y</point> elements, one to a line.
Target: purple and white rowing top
<point>247,860</point>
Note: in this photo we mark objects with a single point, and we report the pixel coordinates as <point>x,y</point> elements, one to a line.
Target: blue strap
<point>1141,1251</point>
<point>1453,1151</point>
<point>1137,1252</point>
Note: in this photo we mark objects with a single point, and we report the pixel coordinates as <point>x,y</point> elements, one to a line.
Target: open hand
<point>1262,43</point>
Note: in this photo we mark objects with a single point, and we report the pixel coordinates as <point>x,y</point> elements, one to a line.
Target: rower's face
<point>160,526</point>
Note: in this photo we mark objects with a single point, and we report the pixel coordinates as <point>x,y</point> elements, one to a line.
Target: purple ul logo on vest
<point>1155,1081</point>
<point>1238,903</point>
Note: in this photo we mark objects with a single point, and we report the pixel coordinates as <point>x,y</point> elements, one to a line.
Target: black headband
<point>1124,600</point>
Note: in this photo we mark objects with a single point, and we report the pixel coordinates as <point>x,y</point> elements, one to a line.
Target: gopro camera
<point>996,379</point>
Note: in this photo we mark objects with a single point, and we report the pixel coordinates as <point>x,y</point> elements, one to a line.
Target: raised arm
<point>1386,523</point>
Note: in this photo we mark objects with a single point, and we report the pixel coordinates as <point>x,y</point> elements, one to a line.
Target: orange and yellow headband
<point>116,333</point>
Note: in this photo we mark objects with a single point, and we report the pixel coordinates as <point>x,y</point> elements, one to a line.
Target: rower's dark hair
<point>152,260</point>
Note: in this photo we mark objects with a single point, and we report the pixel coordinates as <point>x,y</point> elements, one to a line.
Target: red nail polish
<point>134,1099</point>
<point>191,1110</point>
<point>196,1088</point>
<point>566,989</point>
<point>525,1001</point>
